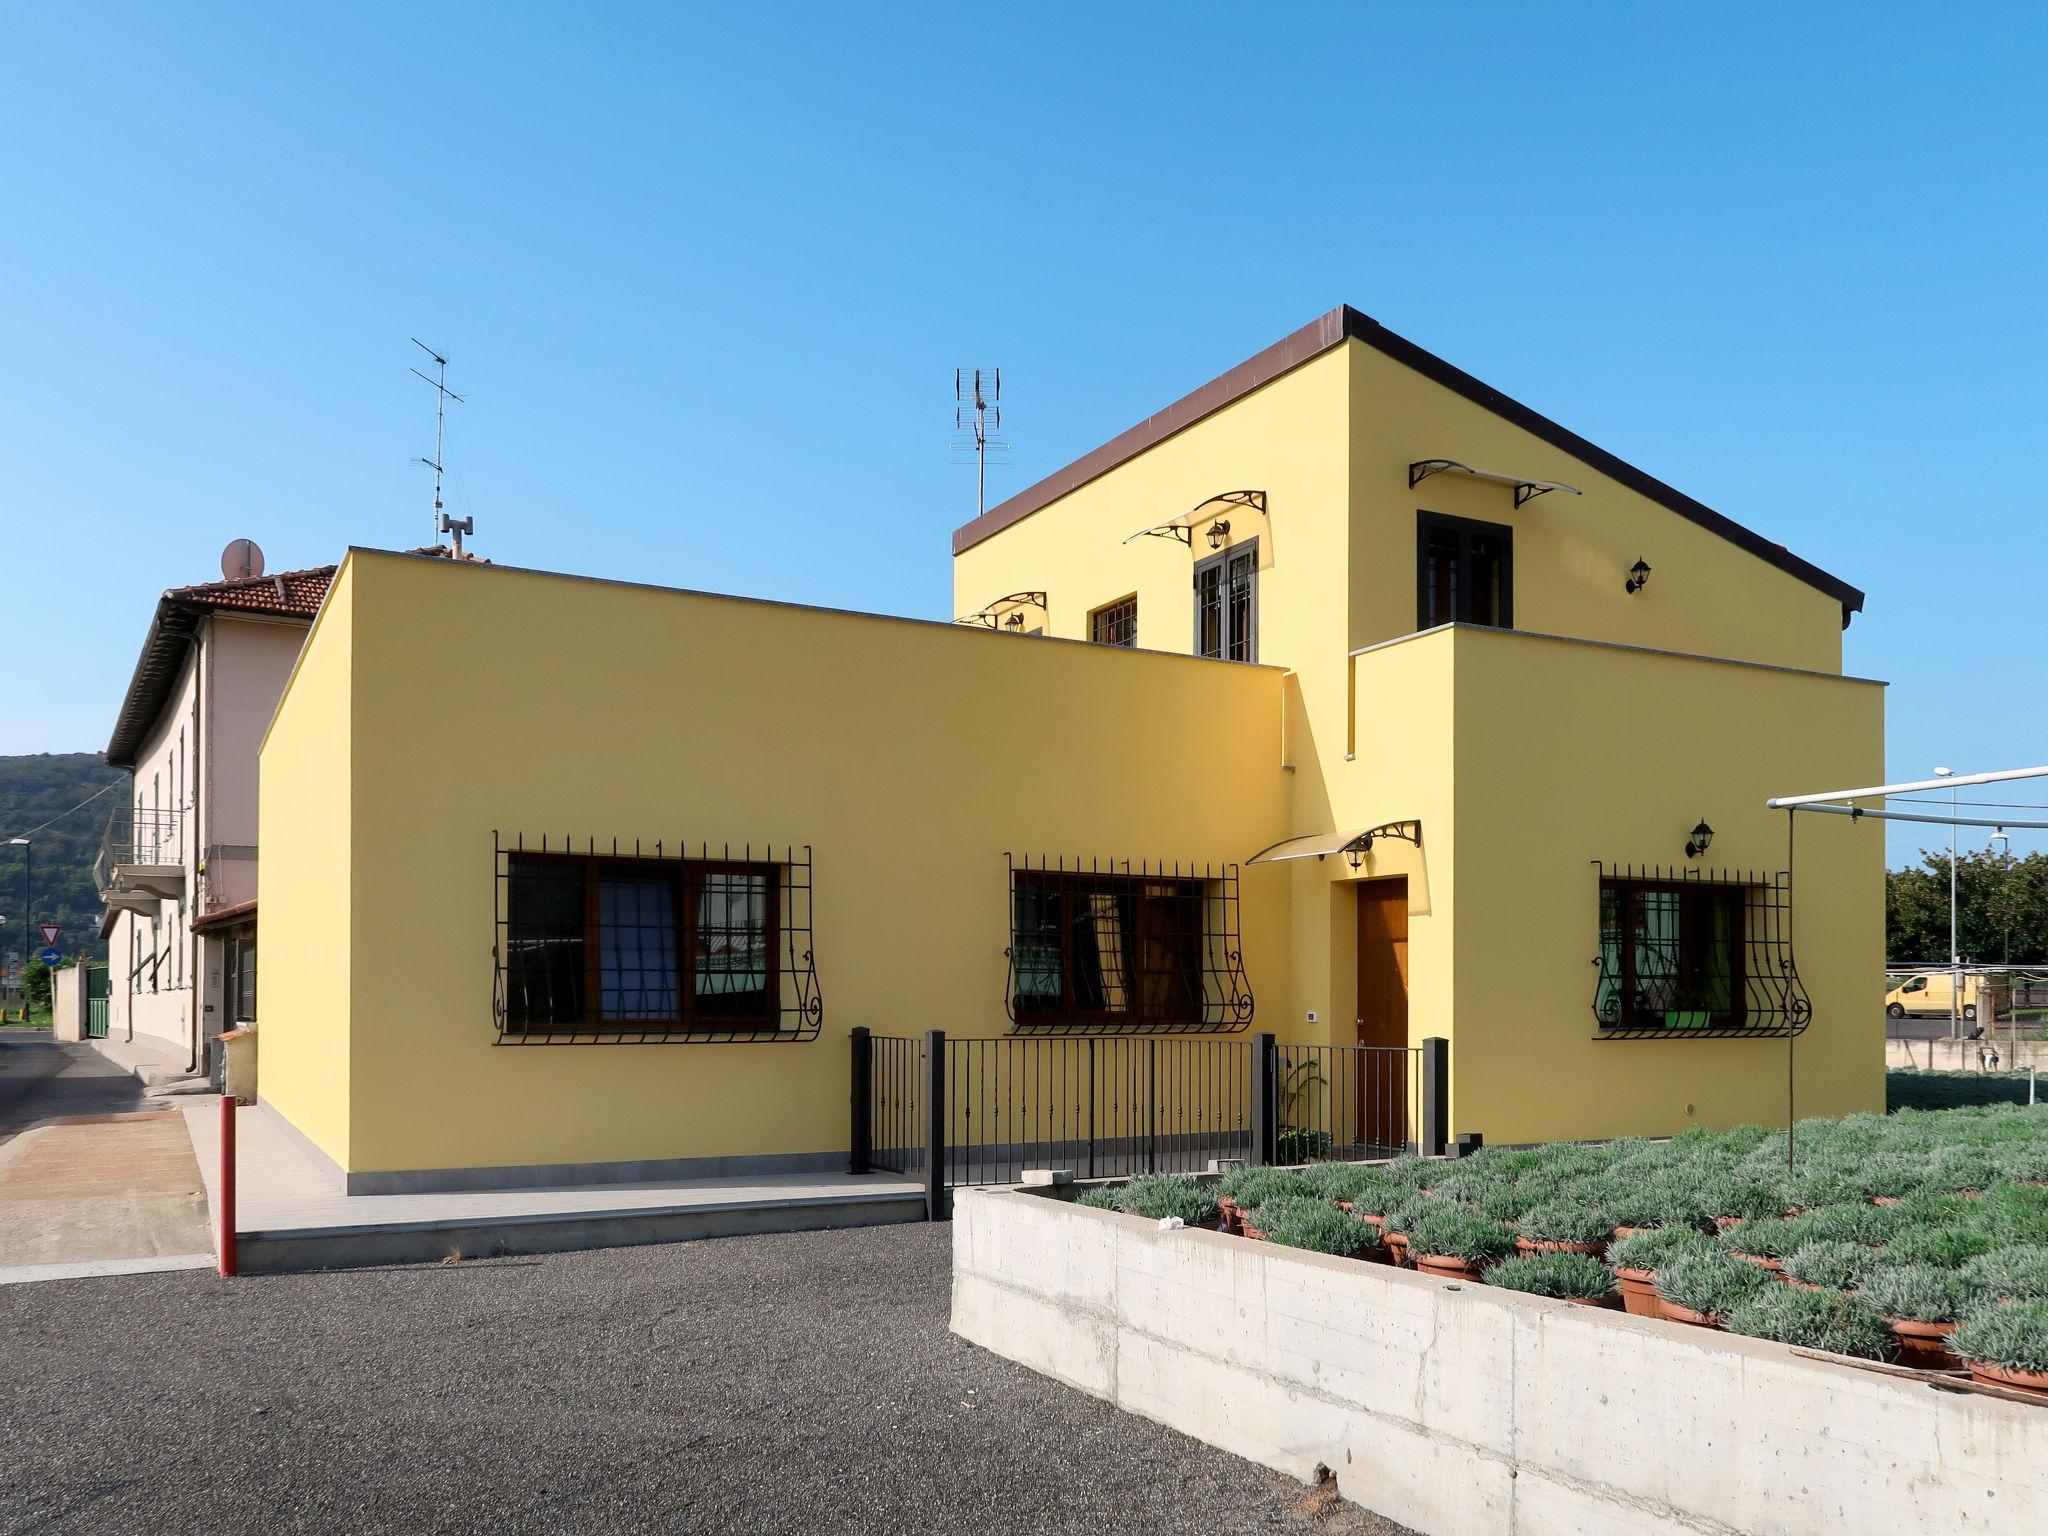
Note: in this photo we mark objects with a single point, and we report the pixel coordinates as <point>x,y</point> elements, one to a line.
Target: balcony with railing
<point>142,857</point>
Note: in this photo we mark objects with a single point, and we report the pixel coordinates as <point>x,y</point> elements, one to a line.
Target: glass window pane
<point>1238,621</point>
<point>543,942</point>
<point>1209,610</point>
<point>636,927</point>
<point>1102,926</point>
<point>732,960</point>
<point>1035,951</point>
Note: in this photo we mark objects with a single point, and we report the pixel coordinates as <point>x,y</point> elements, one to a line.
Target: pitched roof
<point>287,595</point>
<point>1346,324</point>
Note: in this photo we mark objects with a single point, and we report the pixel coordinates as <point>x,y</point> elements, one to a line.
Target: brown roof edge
<point>1318,337</point>
<point>222,917</point>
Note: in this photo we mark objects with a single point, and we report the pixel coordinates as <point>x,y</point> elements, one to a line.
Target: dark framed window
<point>1464,572</point>
<point>637,945</point>
<point>1227,604</point>
<point>1118,951</point>
<point>1672,955</point>
<point>1115,623</point>
<point>238,977</point>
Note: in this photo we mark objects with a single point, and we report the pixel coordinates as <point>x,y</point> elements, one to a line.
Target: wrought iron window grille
<point>1672,964</point>
<point>1115,623</point>
<point>1109,947</point>
<point>651,944</point>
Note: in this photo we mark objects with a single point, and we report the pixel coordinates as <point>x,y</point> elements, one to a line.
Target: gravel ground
<point>801,1383</point>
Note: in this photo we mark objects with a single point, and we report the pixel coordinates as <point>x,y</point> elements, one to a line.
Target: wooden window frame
<point>1068,888</point>
<point>685,878</point>
<point>1695,898</point>
<point>1467,529</point>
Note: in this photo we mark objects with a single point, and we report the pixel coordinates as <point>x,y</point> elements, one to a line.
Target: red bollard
<point>227,1184</point>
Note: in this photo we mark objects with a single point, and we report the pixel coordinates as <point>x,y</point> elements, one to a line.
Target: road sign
<point>52,932</point>
<point>51,955</point>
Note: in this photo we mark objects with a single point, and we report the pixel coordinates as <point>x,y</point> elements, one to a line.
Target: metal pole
<point>1955,966</point>
<point>935,1125</point>
<point>227,1185</point>
<point>1265,1099</point>
<point>1436,1097</point>
<point>859,1159</point>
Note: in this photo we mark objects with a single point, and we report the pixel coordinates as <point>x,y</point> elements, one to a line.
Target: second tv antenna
<point>977,413</point>
<point>443,523</point>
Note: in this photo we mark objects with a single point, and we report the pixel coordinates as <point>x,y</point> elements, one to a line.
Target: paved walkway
<point>787,1385</point>
<point>146,1058</point>
<point>287,1202</point>
<point>42,1079</point>
<point>100,1193</point>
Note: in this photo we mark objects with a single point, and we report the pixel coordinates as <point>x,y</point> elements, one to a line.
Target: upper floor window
<point>1464,572</point>
<point>1227,604</point>
<point>1115,623</point>
<point>630,945</point>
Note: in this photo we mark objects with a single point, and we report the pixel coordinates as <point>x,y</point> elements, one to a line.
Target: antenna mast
<point>443,523</point>
<point>978,410</point>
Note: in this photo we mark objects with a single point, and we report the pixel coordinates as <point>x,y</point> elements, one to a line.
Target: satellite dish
<point>241,559</point>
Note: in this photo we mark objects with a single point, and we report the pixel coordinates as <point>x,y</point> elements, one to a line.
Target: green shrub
<point>1459,1234</point>
<point>1853,1223</point>
<point>1820,1182</point>
<point>1931,1207</point>
<point>1250,1186</point>
<point>1414,1172</point>
<point>1566,1221</point>
<point>1657,1247</point>
<point>1947,1246</point>
<point>1403,1214</point>
<point>1102,1197</point>
<point>1159,1195</point>
<point>1345,1181</point>
<point>1918,1293</point>
<point>1772,1237</point>
<point>2019,1273</point>
<point>1565,1275</point>
<point>1320,1228</point>
<point>1295,1145</point>
<point>1958,1168</point>
<point>2011,1213</point>
<point>1890,1174</point>
<point>1733,1194</point>
<point>1509,1202</point>
<point>1840,1265</point>
<point>2025,1163</point>
<point>1710,1282</point>
<point>1267,1215</point>
<point>2013,1338</point>
<point>1842,1325</point>
<point>1466,1188</point>
<point>1676,1199</point>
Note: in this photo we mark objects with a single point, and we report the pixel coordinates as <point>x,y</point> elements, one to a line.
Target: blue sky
<point>705,274</point>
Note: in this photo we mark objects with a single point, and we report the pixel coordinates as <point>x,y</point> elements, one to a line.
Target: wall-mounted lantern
<point>1638,577</point>
<point>1357,855</point>
<point>1701,840</point>
<point>1218,532</point>
<point>1016,618</point>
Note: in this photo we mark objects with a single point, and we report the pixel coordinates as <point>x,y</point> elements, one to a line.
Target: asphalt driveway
<point>43,1079</point>
<point>801,1383</point>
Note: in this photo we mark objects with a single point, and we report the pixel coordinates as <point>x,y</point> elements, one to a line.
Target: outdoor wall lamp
<point>1218,532</point>
<point>1016,618</point>
<point>1639,578</point>
<point>1355,855</point>
<point>1702,839</point>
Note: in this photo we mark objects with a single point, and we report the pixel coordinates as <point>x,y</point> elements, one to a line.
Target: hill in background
<point>40,788</point>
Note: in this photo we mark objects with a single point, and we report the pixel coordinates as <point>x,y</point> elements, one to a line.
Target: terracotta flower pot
<point>1370,1218</point>
<point>1553,1245</point>
<point>1725,1222</point>
<point>1672,1312</point>
<point>1806,1285</point>
<point>1924,1346</point>
<point>1256,1234</point>
<point>1638,1291</point>
<point>1884,1199</point>
<point>1775,1266</point>
<point>1621,1232</point>
<point>1444,1266</point>
<point>2033,1383</point>
<point>1397,1245</point>
<point>1342,1205</point>
<point>1608,1303</point>
<point>1232,1217</point>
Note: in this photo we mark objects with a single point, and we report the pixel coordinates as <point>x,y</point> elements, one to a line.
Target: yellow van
<point>1932,993</point>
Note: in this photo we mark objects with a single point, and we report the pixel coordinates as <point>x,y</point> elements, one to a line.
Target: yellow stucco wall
<point>911,757</point>
<point>1568,753</point>
<point>307,884</point>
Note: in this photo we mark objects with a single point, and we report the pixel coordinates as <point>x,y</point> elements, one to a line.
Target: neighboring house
<point>177,870</point>
<point>1374,708</point>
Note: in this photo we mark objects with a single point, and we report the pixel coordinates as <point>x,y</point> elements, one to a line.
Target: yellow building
<point>1368,707</point>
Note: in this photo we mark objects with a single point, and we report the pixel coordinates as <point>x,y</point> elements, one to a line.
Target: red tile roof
<point>296,594</point>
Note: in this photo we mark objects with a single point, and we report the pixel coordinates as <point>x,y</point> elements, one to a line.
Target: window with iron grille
<point>1464,572</point>
<point>1115,623</point>
<point>633,944</point>
<point>1227,604</point>
<point>1108,949</point>
<point>1691,953</point>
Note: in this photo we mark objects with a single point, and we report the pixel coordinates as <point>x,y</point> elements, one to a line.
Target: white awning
<point>1319,845</point>
<point>1526,488</point>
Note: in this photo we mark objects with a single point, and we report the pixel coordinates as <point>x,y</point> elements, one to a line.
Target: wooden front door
<point>1382,1076</point>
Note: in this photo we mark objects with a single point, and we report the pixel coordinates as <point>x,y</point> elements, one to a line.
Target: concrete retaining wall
<point>1962,1055</point>
<point>1465,1411</point>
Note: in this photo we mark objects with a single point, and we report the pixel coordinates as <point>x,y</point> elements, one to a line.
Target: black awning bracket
<point>1526,488</point>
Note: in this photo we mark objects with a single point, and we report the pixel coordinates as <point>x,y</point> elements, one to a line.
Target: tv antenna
<point>978,411</point>
<point>443,523</point>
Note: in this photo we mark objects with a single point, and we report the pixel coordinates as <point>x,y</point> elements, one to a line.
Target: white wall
<point>1467,1411</point>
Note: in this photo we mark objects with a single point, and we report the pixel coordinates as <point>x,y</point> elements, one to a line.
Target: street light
<point>1955,959</point>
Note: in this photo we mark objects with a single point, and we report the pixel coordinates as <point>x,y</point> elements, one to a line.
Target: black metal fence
<point>981,1111</point>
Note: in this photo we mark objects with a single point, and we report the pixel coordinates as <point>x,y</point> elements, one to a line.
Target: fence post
<point>1265,1098</point>
<point>935,1208</point>
<point>226,1189</point>
<point>862,1143</point>
<point>1436,1096</point>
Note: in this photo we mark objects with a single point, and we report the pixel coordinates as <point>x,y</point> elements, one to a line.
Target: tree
<point>2001,909</point>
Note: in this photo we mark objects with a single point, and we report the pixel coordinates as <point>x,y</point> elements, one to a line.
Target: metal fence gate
<point>981,1111</point>
<point>96,990</point>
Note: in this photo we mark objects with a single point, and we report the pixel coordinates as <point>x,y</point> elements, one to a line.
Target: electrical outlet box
<point>1311,1015</point>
